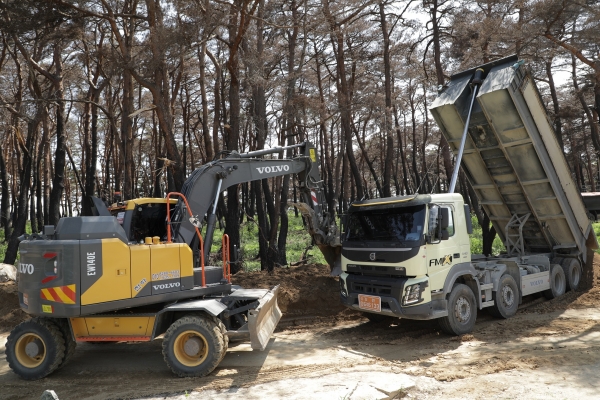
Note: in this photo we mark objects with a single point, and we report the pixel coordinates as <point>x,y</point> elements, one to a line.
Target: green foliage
<point>477,240</point>
<point>596,227</point>
<point>297,241</point>
<point>3,245</point>
<point>4,242</point>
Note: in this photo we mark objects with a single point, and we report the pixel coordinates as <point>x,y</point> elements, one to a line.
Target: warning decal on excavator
<point>59,294</point>
<point>313,155</point>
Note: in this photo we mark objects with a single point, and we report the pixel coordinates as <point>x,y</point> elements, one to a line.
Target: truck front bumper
<point>389,290</point>
<point>391,307</point>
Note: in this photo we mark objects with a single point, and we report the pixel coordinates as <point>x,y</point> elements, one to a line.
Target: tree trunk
<point>58,181</point>
<point>389,135</point>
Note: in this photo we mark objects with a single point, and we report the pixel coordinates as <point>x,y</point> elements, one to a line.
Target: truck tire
<point>462,311</point>
<point>35,348</point>
<point>558,282</point>
<point>506,298</point>
<point>193,346</point>
<point>572,269</point>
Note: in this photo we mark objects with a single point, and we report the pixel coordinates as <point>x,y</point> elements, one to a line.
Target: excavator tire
<point>35,348</point>
<point>462,311</point>
<point>193,346</point>
<point>63,325</point>
<point>558,282</point>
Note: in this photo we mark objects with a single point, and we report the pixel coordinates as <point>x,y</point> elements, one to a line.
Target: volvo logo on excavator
<point>26,268</point>
<point>165,286</point>
<point>274,168</point>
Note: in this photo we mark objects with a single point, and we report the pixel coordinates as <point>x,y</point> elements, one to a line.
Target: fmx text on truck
<point>409,256</point>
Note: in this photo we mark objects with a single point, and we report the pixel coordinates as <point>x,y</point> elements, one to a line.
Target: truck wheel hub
<point>508,296</point>
<point>462,309</point>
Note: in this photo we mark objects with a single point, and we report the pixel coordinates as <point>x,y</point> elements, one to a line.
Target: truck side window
<point>450,228</point>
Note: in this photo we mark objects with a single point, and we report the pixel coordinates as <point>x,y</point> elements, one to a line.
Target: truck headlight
<point>412,294</point>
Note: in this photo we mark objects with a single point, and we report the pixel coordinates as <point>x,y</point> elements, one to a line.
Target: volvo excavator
<point>137,271</point>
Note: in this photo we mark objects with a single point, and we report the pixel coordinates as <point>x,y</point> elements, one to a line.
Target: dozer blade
<point>263,319</point>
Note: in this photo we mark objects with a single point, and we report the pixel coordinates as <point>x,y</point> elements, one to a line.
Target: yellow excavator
<point>137,271</point>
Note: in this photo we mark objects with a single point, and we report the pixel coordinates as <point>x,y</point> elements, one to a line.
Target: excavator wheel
<point>558,282</point>
<point>572,269</point>
<point>35,348</point>
<point>193,346</point>
<point>462,311</point>
<point>70,344</point>
<point>506,298</point>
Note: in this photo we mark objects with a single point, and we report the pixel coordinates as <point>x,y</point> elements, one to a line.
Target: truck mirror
<point>444,235</point>
<point>444,218</point>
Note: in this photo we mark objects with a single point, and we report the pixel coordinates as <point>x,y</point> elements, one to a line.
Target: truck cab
<point>397,253</point>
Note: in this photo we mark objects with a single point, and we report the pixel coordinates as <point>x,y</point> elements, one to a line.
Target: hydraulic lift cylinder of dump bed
<point>477,79</point>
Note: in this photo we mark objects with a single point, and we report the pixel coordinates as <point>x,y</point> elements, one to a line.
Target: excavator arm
<point>205,184</point>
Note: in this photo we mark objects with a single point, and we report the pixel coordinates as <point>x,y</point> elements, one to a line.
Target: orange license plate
<point>369,303</point>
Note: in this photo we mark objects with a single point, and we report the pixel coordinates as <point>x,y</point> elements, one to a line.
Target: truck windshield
<point>395,224</point>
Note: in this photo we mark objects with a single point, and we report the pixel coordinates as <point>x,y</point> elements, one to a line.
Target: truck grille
<point>379,290</point>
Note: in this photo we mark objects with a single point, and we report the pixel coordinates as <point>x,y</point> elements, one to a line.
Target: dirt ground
<point>550,349</point>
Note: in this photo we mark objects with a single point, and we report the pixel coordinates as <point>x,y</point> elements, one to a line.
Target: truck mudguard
<point>458,270</point>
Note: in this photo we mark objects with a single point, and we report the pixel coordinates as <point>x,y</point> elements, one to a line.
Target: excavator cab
<point>139,218</point>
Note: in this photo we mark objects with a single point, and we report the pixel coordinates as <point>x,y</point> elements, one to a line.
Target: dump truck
<point>409,256</point>
<point>138,271</point>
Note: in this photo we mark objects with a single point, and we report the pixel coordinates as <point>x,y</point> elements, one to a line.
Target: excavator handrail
<point>189,210</point>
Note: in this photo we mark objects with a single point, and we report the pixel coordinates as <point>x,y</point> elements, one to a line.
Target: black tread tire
<point>224,336</point>
<point>506,298</point>
<point>572,269</point>
<point>70,343</point>
<point>53,342</point>
<point>209,330</point>
<point>558,282</point>
<point>376,318</point>
<point>452,324</point>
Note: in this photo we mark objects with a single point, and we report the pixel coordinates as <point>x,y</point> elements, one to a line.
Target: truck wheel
<point>558,282</point>
<point>506,298</point>
<point>572,269</point>
<point>462,311</point>
<point>35,348</point>
<point>193,346</point>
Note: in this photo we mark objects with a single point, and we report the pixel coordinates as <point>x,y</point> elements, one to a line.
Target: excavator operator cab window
<point>149,220</point>
<point>146,220</point>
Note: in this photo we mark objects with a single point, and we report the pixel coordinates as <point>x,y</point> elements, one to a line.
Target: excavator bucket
<point>263,319</point>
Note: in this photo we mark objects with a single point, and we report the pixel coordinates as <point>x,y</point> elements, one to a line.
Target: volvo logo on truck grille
<point>372,256</point>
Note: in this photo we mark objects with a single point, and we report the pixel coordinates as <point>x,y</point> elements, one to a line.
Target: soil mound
<point>307,290</point>
<point>10,311</point>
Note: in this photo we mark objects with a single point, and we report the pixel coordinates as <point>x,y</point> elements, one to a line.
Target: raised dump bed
<point>514,162</point>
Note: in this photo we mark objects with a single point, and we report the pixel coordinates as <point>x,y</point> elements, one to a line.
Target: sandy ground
<point>549,350</point>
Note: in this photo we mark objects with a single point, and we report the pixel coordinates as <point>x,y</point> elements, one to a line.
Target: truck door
<point>442,254</point>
